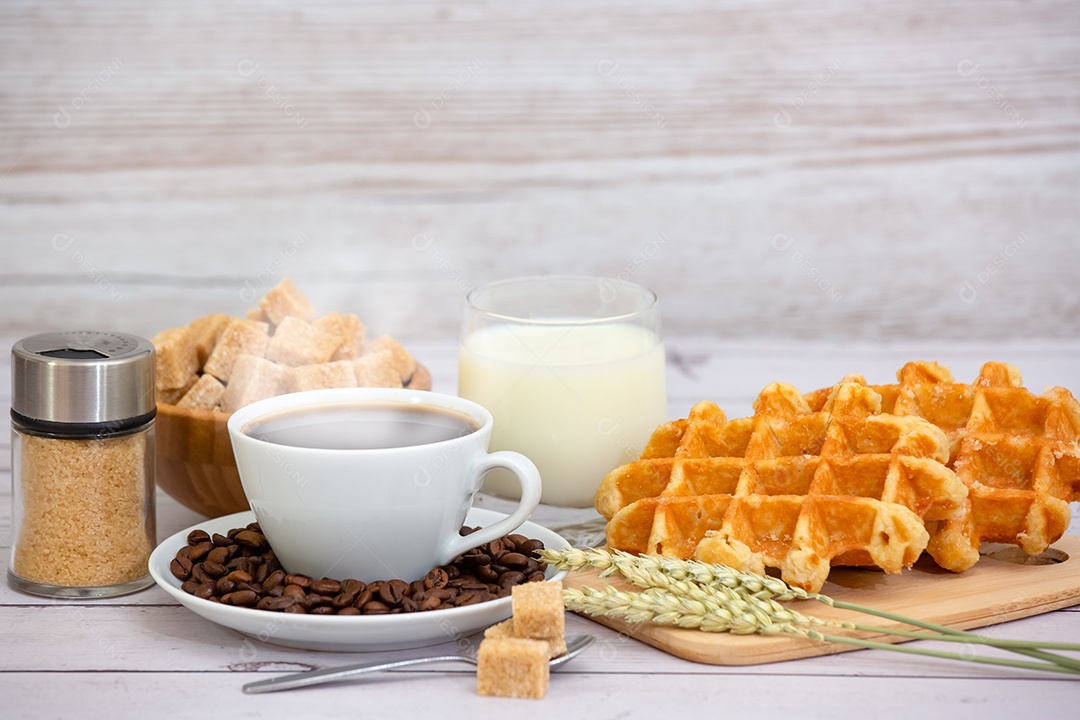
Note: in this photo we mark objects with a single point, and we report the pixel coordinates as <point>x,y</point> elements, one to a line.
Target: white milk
<point>578,401</point>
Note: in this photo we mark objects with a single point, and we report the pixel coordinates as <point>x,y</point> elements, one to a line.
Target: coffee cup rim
<point>342,396</point>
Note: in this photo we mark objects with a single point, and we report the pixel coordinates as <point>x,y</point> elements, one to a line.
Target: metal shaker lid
<point>82,376</point>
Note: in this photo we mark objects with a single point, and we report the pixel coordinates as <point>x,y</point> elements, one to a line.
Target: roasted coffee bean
<point>498,547</point>
<point>240,576</point>
<point>240,569</point>
<point>248,538</point>
<point>467,584</point>
<point>475,560</point>
<point>275,603</point>
<point>275,579</point>
<point>436,578</point>
<point>241,598</point>
<point>326,586</point>
<point>365,596</point>
<point>213,569</point>
<point>218,555</point>
<point>510,578</point>
<point>529,547</point>
<point>486,574</point>
<point>180,568</point>
<point>301,580</point>
<point>314,600</point>
<point>200,551</point>
<point>197,536</point>
<point>199,573</point>
<point>294,591</point>
<point>467,598</point>
<point>444,594</point>
<point>252,586</point>
<point>393,591</point>
<point>343,600</point>
<point>352,586</point>
<point>375,608</point>
<point>514,560</point>
<point>261,573</point>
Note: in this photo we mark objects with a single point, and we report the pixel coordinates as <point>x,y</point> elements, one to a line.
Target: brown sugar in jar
<point>82,464</point>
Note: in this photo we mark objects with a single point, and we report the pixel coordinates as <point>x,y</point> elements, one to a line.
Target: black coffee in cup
<point>365,426</point>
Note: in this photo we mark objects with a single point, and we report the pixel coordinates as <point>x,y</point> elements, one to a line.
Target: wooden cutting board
<point>1005,585</point>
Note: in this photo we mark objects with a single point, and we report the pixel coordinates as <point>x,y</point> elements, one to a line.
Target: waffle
<point>1017,453</point>
<point>792,487</point>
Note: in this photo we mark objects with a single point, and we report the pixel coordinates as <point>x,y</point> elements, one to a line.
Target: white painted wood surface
<point>144,656</point>
<point>842,169</point>
<point>813,189</point>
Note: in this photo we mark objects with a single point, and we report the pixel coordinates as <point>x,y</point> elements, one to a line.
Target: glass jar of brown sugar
<point>82,464</point>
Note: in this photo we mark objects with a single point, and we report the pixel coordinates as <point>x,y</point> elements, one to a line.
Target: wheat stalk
<point>717,598</point>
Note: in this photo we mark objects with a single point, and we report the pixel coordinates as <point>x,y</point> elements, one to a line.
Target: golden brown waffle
<point>1017,453</point>
<point>792,487</point>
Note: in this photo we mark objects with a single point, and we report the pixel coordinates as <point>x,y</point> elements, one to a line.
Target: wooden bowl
<point>194,457</point>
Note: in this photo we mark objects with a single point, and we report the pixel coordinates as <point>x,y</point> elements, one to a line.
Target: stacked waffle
<point>1016,452</point>
<point>854,475</point>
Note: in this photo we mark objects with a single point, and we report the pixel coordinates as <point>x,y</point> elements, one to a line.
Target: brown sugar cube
<point>286,300</point>
<point>176,357</point>
<point>205,332</point>
<point>171,396</point>
<point>349,329</point>
<point>239,337</point>
<point>556,645</point>
<point>205,394</point>
<point>338,374</point>
<point>257,315</point>
<point>512,667</point>
<point>296,343</point>
<point>254,378</point>
<point>538,611</point>
<point>376,370</point>
<point>403,362</point>
<point>501,630</point>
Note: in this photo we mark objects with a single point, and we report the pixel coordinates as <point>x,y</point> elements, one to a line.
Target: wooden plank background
<point>835,170</point>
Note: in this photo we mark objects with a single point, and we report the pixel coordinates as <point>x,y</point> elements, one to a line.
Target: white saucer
<point>349,633</point>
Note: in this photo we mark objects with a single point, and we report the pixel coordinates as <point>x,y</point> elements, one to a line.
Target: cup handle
<point>528,477</point>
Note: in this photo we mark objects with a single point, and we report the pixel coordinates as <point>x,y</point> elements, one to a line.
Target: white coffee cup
<point>336,501</point>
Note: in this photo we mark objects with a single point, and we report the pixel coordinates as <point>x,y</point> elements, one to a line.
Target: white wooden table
<point>145,656</point>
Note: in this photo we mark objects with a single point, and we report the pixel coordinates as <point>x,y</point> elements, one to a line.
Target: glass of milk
<point>572,369</point>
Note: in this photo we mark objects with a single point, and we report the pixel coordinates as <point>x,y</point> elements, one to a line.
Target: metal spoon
<point>574,646</point>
